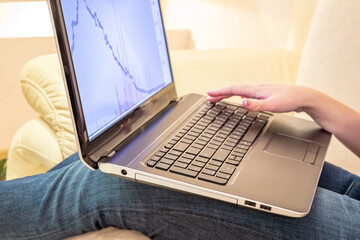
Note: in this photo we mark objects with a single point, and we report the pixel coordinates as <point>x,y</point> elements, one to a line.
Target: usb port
<point>250,203</point>
<point>267,208</point>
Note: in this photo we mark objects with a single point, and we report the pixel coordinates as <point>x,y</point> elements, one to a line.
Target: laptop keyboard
<point>212,144</point>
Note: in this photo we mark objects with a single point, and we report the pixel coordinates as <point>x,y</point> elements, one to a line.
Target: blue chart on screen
<point>119,55</point>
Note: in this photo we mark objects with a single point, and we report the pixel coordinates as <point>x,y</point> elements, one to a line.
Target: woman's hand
<point>266,97</point>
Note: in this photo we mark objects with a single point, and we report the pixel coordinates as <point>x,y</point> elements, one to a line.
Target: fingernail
<point>244,101</point>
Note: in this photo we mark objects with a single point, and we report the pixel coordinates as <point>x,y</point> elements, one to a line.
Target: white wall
<point>232,23</point>
<point>15,111</point>
<point>25,32</point>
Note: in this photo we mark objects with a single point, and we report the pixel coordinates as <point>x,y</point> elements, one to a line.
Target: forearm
<point>336,118</point>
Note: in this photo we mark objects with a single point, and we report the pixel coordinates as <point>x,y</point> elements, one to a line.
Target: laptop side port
<point>264,207</point>
<point>250,203</point>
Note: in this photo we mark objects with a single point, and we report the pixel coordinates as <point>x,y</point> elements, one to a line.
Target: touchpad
<point>288,147</point>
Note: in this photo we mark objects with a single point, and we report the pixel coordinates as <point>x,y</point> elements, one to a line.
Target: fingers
<point>246,90</point>
<point>263,97</point>
<point>216,99</point>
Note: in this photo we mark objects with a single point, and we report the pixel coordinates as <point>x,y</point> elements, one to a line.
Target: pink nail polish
<point>244,101</point>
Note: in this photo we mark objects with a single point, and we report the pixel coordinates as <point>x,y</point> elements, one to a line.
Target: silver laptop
<point>130,122</point>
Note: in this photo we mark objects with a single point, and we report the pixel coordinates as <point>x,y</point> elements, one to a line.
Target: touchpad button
<point>288,147</point>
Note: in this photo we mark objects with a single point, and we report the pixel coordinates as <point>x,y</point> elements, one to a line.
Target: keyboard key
<point>214,146</point>
<point>164,150</point>
<point>207,152</point>
<point>252,133</point>
<point>229,143</point>
<point>199,142</point>
<point>151,163</point>
<point>241,146</point>
<point>193,134</point>
<point>199,164</point>
<point>209,172</point>
<point>199,127</point>
<point>174,152</point>
<point>223,175</point>
<point>264,116</point>
<point>188,141</point>
<point>171,157</point>
<point>212,167</point>
<point>232,162</point>
<point>212,179</point>
<point>181,146</point>
<point>209,117</point>
<point>221,155</point>
<point>193,150</point>
<point>185,160</point>
<point>187,136</point>
<point>202,159</point>
<point>216,163</point>
<point>205,139</point>
<point>227,168</point>
<point>183,171</point>
<point>160,154</point>
<point>187,128</point>
<point>181,165</point>
<point>222,136</point>
<point>241,110</point>
<point>199,146</point>
<point>220,140</point>
<point>195,168</point>
<point>213,128</point>
<point>261,120</point>
<point>244,143</point>
<point>207,135</point>
<point>155,158</point>
<point>252,114</point>
<point>175,138</point>
<point>167,161</point>
<point>239,152</point>
<point>162,166</point>
<point>188,156</point>
<point>232,108</point>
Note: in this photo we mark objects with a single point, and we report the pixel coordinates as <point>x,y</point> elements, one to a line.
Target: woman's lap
<point>72,199</point>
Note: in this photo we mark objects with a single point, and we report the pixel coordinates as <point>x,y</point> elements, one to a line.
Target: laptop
<point>130,123</point>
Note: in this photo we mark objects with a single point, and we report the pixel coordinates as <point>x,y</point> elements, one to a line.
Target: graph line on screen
<point>123,66</point>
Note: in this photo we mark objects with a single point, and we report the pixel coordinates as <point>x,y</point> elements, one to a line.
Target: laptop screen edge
<point>91,151</point>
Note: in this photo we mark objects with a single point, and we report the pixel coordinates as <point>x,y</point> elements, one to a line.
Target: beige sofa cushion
<point>330,63</point>
<point>28,154</point>
<point>43,88</point>
<point>42,143</point>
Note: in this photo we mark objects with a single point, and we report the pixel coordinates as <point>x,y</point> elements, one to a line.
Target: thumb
<point>253,105</point>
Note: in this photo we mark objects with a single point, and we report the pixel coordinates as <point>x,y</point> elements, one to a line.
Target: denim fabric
<point>71,199</point>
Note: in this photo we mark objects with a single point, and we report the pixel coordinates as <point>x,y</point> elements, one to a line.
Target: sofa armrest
<point>34,149</point>
<point>43,88</point>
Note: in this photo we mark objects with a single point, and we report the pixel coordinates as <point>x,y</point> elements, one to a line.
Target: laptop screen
<point>119,54</point>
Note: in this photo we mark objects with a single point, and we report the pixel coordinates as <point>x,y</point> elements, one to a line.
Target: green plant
<point>3,169</point>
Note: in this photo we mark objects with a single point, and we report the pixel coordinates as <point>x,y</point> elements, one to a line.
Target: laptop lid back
<point>116,68</point>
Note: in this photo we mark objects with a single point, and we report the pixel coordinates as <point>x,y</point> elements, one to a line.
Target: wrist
<point>310,100</point>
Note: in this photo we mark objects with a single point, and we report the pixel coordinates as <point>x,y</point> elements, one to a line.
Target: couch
<point>328,62</point>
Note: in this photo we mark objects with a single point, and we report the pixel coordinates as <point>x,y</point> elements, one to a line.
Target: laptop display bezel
<point>92,151</point>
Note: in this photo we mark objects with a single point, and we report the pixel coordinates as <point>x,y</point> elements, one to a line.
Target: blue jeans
<point>71,199</point>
